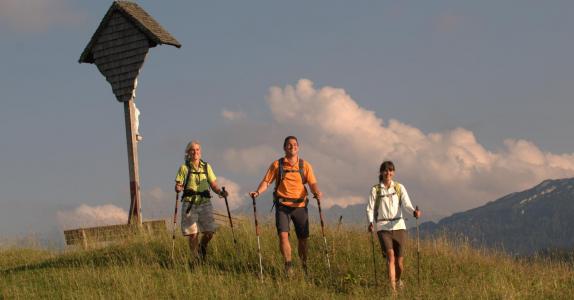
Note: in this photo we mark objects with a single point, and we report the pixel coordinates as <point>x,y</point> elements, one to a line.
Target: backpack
<point>189,172</point>
<point>398,191</point>
<point>281,175</point>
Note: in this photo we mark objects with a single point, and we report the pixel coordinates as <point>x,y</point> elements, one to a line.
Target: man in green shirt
<point>194,178</point>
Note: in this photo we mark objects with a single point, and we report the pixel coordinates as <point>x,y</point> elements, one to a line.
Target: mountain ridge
<point>519,223</point>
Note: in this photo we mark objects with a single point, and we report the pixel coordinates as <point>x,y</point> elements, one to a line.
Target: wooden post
<point>135,204</point>
<point>118,48</point>
<point>84,239</point>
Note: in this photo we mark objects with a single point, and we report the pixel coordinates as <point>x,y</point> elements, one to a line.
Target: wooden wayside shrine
<point>118,48</point>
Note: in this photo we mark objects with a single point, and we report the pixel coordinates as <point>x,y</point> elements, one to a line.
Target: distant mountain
<point>519,223</point>
<point>352,215</point>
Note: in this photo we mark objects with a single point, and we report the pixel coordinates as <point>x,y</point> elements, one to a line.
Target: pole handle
<point>175,213</point>
<point>255,216</point>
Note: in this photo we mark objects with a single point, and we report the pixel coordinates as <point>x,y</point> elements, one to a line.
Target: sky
<point>470,99</point>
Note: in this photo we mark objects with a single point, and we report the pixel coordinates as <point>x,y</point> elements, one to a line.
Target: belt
<point>292,200</point>
<point>190,193</point>
<point>386,219</point>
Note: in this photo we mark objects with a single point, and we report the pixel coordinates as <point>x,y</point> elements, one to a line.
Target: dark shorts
<point>393,239</point>
<point>299,216</point>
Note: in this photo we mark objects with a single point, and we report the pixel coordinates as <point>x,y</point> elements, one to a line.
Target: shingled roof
<point>140,18</point>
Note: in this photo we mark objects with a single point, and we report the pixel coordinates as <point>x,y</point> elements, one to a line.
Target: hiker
<point>387,201</point>
<point>194,178</point>
<point>290,174</point>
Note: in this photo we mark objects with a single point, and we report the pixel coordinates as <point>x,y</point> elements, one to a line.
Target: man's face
<point>388,174</point>
<point>195,152</point>
<point>291,148</point>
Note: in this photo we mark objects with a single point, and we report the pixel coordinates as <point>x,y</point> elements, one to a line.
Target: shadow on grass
<point>139,253</point>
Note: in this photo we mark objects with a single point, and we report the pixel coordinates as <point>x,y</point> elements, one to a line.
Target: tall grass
<point>143,268</point>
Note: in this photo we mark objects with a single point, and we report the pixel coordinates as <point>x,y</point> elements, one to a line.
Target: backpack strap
<point>302,171</point>
<point>280,172</point>
<point>399,191</point>
<point>379,197</point>
<point>281,175</point>
<point>188,165</point>
<point>205,164</point>
<point>188,192</point>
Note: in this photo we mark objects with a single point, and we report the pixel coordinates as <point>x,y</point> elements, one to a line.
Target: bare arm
<point>315,190</point>
<point>178,187</point>
<point>417,213</point>
<point>216,188</point>
<point>260,189</point>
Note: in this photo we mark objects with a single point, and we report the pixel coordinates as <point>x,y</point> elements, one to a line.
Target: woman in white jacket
<point>387,201</point>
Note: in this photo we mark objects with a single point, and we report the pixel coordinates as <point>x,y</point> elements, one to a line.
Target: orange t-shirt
<point>291,186</point>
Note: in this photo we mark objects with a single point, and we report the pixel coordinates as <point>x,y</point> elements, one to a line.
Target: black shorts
<point>393,239</point>
<point>299,216</point>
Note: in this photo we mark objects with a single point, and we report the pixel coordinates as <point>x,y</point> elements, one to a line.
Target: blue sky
<point>480,94</point>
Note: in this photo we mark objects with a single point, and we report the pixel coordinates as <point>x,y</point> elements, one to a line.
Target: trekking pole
<point>258,243</point>
<point>174,225</point>
<point>418,252</point>
<point>333,248</point>
<point>340,223</point>
<point>229,215</point>
<point>323,232</point>
<point>374,257</point>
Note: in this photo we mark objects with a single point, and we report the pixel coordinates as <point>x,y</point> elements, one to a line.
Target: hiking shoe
<point>400,284</point>
<point>288,269</point>
<point>202,252</point>
<point>193,263</point>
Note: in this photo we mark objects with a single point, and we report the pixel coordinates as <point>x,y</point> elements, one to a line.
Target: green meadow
<point>143,268</point>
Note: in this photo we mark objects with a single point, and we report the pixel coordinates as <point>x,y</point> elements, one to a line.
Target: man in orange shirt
<point>290,174</point>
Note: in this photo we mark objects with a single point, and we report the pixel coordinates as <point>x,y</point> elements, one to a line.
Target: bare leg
<point>398,267</point>
<point>285,246</point>
<point>302,248</point>
<point>193,241</point>
<point>391,268</point>
<point>205,238</point>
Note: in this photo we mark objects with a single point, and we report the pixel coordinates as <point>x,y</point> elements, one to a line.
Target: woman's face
<point>194,152</point>
<point>388,174</point>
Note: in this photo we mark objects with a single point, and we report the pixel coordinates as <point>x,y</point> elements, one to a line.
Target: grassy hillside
<point>143,268</point>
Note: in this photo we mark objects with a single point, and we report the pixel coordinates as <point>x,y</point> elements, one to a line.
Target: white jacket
<point>389,207</point>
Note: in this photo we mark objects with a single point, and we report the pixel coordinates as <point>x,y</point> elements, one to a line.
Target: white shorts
<point>199,219</point>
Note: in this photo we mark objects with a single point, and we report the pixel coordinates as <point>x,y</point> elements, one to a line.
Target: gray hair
<point>188,147</point>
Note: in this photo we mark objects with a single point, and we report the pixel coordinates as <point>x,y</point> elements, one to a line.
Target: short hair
<point>189,145</point>
<point>291,137</point>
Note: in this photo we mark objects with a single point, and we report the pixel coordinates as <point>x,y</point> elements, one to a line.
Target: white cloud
<point>232,115</point>
<point>159,204</point>
<point>157,193</point>
<point>235,199</point>
<point>37,15</point>
<point>444,172</point>
<point>89,216</point>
